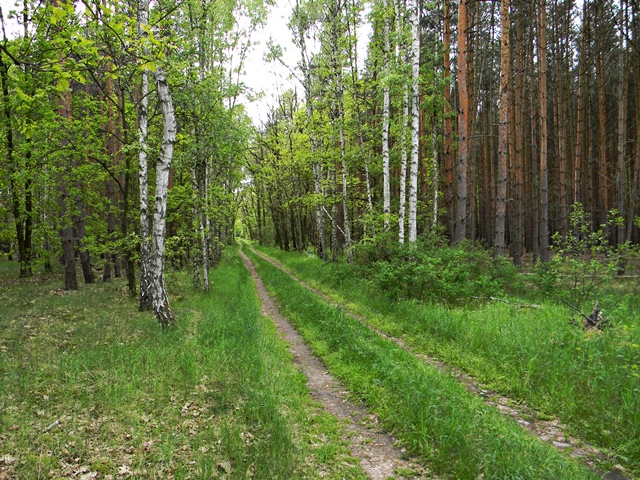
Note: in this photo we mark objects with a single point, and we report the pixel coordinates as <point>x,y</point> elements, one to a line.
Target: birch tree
<point>159,295</point>
<point>400,57</point>
<point>143,176</point>
<point>386,208</point>
<point>415,119</point>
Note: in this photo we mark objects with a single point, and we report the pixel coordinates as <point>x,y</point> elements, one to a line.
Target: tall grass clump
<point>91,386</point>
<point>432,414</point>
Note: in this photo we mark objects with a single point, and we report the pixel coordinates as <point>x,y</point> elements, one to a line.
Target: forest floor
<point>91,388</point>
<point>265,377</point>
<point>546,428</point>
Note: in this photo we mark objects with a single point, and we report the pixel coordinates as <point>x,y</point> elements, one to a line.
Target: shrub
<point>585,257</point>
<point>432,270</point>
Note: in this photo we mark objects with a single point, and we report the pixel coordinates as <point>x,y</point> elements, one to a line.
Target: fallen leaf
<point>8,459</point>
<point>225,466</point>
<point>124,470</point>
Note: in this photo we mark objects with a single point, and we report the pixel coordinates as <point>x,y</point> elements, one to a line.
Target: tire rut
<point>549,431</point>
<point>379,457</point>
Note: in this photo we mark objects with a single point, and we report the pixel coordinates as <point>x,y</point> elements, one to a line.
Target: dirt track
<point>379,457</point>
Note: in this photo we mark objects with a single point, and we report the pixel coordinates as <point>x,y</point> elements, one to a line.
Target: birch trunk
<point>400,47</point>
<point>385,123</point>
<point>415,121</point>
<point>203,218</point>
<point>143,176</point>
<point>160,297</point>
<point>334,214</point>
<point>197,251</point>
<point>343,157</point>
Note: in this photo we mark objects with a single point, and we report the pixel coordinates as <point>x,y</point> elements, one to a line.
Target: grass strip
<point>91,386</point>
<point>590,380</point>
<point>429,412</point>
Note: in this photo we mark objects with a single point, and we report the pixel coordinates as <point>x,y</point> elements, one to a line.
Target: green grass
<point>431,413</point>
<point>215,397</point>
<point>589,380</point>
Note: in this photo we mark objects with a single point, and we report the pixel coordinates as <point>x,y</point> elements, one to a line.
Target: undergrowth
<point>431,270</point>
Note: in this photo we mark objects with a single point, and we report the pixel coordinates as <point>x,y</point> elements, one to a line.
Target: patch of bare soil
<point>379,457</point>
<point>550,431</point>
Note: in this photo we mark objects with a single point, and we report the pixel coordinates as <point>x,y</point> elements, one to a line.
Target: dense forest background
<point>125,140</point>
<point>481,120</point>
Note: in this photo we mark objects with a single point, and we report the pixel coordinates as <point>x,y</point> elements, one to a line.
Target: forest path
<point>379,457</point>
<point>550,431</point>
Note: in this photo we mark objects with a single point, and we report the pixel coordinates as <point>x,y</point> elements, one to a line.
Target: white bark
<point>385,123</point>
<point>160,297</point>
<point>402,217</point>
<point>403,167</point>
<point>201,258</point>
<point>143,177</point>
<point>415,121</point>
<point>345,207</point>
<point>196,215</point>
<point>204,221</point>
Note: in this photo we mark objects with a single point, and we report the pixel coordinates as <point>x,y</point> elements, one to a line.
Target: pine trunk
<point>448,124</point>
<point>463,115</point>
<point>542,98</point>
<point>623,91</point>
<point>505,70</point>
<point>518,103</point>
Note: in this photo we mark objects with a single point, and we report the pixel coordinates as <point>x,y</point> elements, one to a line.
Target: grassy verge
<point>91,387</point>
<point>589,380</point>
<point>430,412</point>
